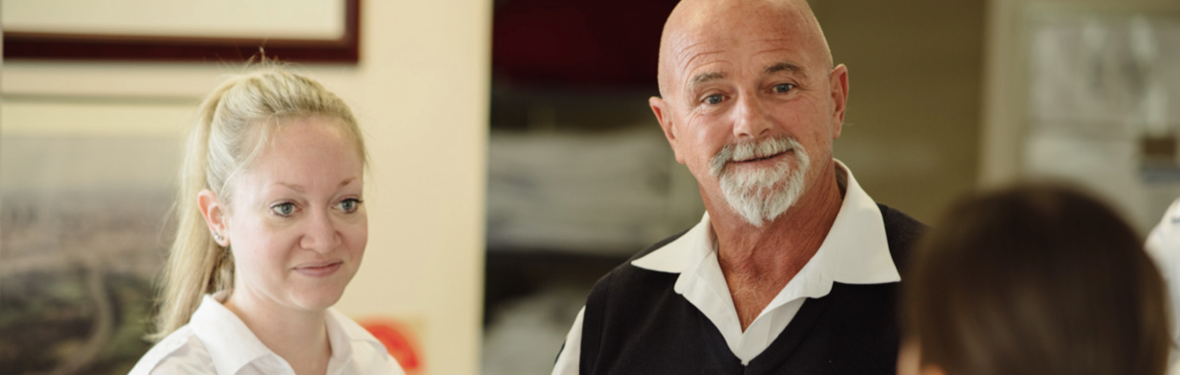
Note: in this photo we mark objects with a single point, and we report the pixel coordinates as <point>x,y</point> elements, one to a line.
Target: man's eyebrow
<point>783,67</point>
<point>706,77</point>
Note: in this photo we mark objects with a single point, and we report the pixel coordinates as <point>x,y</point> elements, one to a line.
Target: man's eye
<point>283,209</point>
<point>783,87</point>
<point>349,205</point>
<point>714,99</point>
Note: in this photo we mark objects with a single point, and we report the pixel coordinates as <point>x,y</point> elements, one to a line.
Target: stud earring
<point>217,237</point>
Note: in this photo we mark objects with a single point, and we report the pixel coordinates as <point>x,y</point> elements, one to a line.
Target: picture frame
<point>40,45</point>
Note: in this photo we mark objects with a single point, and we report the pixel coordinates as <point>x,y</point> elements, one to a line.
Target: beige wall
<point>937,97</point>
<point>914,66</point>
<point>421,92</point>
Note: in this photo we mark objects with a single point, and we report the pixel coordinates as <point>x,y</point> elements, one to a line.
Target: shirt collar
<point>340,341</point>
<point>230,343</point>
<point>342,334</point>
<point>855,250</point>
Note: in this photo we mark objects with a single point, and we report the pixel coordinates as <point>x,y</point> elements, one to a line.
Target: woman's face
<point>296,224</point>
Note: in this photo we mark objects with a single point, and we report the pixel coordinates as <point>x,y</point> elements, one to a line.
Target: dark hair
<point>1036,279</point>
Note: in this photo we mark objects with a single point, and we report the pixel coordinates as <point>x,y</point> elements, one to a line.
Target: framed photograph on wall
<point>1100,102</point>
<point>313,31</point>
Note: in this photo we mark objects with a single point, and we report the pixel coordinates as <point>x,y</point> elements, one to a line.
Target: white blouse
<point>1163,244</point>
<point>215,341</point>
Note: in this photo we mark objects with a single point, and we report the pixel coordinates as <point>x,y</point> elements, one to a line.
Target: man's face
<point>748,102</point>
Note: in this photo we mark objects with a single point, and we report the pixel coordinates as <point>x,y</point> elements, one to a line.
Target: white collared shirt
<point>1163,244</point>
<point>855,251</point>
<point>215,341</point>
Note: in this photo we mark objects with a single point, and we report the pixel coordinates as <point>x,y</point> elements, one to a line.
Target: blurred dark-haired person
<point>1036,279</point>
<point>1163,244</point>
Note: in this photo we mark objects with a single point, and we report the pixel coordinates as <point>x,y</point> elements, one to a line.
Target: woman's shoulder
<point>181,352</point>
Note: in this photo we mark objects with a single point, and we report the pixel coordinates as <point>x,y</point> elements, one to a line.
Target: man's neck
<point>759,261</point>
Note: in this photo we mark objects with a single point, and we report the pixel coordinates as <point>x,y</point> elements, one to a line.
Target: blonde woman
<point>272,226</point>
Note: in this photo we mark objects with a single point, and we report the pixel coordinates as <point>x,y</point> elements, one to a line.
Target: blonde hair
<point>233,126</point>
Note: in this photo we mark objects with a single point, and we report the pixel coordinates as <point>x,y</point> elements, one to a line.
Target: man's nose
<point>752,120</point>
<point>320,234</point>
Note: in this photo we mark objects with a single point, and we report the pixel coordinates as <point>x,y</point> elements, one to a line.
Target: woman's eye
<point>349,205</point>
<point>783,87</point>
<point>714,99</point>
<point>283,209</point>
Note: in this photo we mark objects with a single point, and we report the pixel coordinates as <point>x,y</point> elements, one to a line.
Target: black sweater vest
<point>634,323</point>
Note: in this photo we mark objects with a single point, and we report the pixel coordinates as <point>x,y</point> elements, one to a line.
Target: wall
<point>937,100</point>
<point>914,70</point>
<point>421,93</point>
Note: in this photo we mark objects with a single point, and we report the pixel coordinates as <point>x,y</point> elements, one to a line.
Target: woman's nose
<point>320,233</point>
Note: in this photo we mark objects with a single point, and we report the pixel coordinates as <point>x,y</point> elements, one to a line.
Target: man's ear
<point>661,110</point>
<point>214,212</point>
<point>839,90</point>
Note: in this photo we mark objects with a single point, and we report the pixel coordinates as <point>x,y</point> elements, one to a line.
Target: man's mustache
<point>745,151</point>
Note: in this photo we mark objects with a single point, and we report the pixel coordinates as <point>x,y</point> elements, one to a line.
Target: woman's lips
<point>319,269</point>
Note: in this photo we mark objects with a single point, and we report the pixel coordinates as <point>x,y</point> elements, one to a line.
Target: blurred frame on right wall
<point>1085,91</point>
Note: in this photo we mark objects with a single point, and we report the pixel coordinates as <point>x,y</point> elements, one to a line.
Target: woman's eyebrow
<point>295,187</point>
<point>299,188</point>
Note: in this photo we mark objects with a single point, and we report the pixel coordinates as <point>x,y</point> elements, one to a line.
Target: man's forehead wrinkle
<point>727,24</point>
<point>782,52</point>
<point>683,52</point>
<point>686,66</point>
<point>684,57</point>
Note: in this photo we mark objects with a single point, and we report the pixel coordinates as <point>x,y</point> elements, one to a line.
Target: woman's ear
<point>909,360</point>
<point>214,212</point>
<point>932,369</point>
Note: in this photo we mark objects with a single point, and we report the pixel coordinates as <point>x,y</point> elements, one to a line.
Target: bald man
<point>793,268</point>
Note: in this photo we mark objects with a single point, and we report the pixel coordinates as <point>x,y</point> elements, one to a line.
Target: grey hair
<point>762,195</point>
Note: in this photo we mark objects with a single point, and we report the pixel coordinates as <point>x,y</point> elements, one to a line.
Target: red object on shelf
<point>397,342</point>
<point>581,43</point>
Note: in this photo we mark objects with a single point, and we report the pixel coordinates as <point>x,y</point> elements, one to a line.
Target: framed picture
<point>1100,105</point>
<point>317,31</point>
